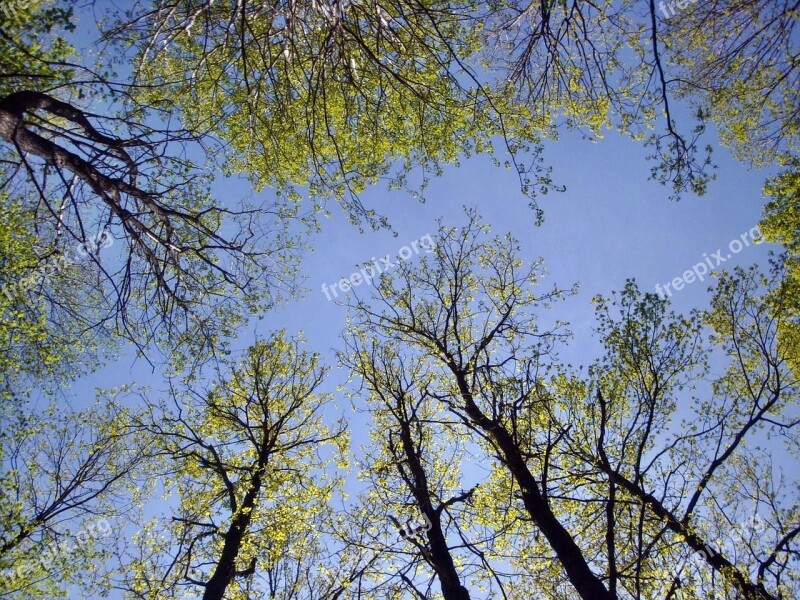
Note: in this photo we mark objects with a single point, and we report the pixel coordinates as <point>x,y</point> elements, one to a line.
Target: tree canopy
<point>663,468</point>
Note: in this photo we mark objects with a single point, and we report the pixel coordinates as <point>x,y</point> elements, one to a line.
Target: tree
<point>728,439</point>
<point>594,66</point>
<point>745,74</point>
<point>186,267</point>
<point>328,97</point>
<point>610,495</point>
<point>781,224</point>
<point>64,478</point>
<point>405,472</point>
<point>252,467</point>
<point>33,349</point>
<point>636,65</point>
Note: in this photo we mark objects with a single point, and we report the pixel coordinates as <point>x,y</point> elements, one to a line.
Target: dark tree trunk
<point>14,131</point>
<point>586,582</point>
<point>225,571</point>
<point>714,559</point>
<point>439,556</point>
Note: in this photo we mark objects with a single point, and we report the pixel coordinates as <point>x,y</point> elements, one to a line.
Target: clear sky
<point>610,225</point>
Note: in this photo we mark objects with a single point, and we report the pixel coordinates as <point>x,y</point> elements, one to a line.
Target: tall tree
<point>413,490</point>
<point>694,481</point>
<point>253,468</point>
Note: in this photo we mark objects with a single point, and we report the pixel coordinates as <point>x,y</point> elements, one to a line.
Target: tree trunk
<point>439,558</point>
<point>586,583</point>
<point>225,571</point>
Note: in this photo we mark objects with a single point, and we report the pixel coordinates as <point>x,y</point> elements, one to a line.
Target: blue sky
<point>610,224</point>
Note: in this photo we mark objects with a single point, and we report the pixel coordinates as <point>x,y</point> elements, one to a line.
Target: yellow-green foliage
<point>781,225</point>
